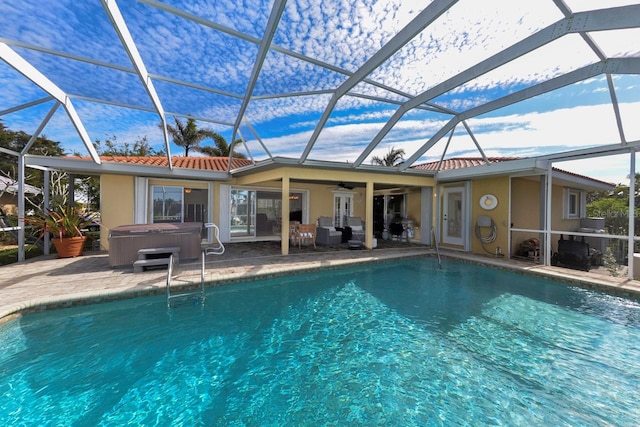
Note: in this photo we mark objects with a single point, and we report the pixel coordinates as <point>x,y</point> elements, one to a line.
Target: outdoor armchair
<point>327,233</point>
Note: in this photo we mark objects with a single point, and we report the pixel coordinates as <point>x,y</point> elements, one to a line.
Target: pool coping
<point>270,266</point>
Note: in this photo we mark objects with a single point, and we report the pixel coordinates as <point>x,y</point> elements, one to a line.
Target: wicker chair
<point>326,233</point>
<point>357,228</point>
<point>306,233</point>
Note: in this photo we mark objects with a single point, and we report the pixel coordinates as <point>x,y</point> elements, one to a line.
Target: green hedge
<point>9,256</point>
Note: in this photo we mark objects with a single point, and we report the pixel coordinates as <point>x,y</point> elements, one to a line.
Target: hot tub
<point>126,240</point>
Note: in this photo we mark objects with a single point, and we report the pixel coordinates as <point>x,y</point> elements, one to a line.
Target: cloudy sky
<point>201,56</point>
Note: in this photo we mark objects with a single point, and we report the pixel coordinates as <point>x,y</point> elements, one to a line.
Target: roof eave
<point>90,168</point>
<point>278,162</point>
<point>530,165</point>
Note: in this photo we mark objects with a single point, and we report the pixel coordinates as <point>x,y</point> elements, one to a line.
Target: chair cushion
<point>356,228</point>
<point>325,222</point>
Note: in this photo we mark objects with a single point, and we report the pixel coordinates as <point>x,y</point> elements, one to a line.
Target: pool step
<point>150,257</point>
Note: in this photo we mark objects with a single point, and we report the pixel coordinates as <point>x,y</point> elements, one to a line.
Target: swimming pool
<point>396,343</point>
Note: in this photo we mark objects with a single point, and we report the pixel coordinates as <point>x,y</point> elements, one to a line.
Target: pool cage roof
<point>320,81</point>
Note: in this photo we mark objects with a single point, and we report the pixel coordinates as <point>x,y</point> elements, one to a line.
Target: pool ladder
<point>435,242</point>
<point>216,249</point>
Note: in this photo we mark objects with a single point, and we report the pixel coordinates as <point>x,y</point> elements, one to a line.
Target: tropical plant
<point>221,148</point>
<point>394,157</point>
<point>112,147</point>
<point>188,136</point>
<point>60,222</point>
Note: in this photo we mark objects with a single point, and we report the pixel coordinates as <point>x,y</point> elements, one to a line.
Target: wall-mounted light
<point>187,190</point>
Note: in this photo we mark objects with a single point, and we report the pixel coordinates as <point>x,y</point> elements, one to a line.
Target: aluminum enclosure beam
<point>14,60</point>
<point>611,66</point>
<point>404,36</point>
<point>597,20</point>
<point>270,30</point>
<point>129,45</point>
<point>275,48</point>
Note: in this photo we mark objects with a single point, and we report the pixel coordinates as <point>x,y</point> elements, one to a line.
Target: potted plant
<point>65,225</point>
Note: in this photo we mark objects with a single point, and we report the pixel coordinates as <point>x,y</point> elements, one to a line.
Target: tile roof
<point>199,163</point>
<point>465,162</point>
<point>461,162</point>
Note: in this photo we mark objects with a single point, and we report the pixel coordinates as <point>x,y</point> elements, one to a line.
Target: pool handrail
<point>199,292</point>
<point>435,242</point>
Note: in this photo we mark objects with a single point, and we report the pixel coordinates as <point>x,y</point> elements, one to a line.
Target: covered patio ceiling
<point>324,81</point>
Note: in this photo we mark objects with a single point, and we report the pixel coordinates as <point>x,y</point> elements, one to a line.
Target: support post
<point>285,216</point>
<point>368,206</point>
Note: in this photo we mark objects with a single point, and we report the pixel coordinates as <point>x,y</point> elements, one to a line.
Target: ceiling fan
<point>342,186</point>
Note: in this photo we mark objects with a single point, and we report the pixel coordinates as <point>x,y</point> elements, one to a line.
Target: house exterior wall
<point>525,211</point>
<point>499,187</point>
<point>116,204</point>
<point>414,212</point>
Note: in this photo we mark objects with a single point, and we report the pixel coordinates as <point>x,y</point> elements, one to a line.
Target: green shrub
<point>9,256</point>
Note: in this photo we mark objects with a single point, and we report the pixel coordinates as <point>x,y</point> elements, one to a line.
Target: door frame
<point>463,242</point>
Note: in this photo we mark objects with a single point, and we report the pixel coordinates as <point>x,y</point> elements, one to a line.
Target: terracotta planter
<point>69,247</point>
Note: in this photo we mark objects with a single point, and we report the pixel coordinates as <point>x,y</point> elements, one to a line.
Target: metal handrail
<point>169,275</point>
<point>435,241</point>
<point>170,269</point>
<point>218,247</point>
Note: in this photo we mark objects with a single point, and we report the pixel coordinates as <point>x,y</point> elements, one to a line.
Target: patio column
<point>368,217</point>
<point>285,216</point>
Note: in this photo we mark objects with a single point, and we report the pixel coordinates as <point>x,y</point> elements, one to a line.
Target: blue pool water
<point>400,343</point>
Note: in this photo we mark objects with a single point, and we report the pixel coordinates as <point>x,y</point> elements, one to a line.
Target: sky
<point>201,56</point>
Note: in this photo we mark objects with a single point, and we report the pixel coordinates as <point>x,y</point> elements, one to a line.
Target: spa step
<point>139,265</point>
<point>150,257</point>
<point>150,253</point>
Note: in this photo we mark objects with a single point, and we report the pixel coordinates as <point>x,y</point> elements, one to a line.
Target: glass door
<point>243,213</point>
<point>342,208</point>
<point>453,216</point>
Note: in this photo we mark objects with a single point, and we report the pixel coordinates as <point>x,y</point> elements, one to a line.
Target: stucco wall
<point>499,187</point>
<point>116,204</point>
<point>525,208</point>
<point>414,212</point>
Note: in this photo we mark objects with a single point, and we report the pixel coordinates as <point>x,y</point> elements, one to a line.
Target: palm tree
<point>188,135</point>
<point>221,148</point>
<point>394,157</point>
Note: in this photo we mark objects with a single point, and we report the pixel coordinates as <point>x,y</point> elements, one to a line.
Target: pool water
<point>398,343</point>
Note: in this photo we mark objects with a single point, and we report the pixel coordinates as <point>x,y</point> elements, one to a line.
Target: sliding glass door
<point>243,213</point>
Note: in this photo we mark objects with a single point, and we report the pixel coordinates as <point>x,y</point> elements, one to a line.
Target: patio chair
<point>294,233</point>
<point>357,228</point>
<point>307,233</point>
<point>327,233</point>
<point>396,229</point>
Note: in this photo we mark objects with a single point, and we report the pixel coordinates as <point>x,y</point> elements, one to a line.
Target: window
<point>167,203</point>
<point>259,212</point>
<point>178,204</point>
<point>574,203</point>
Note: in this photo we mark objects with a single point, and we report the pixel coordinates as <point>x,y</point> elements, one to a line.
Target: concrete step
<point>175,250</point>
<point>139,265</point>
